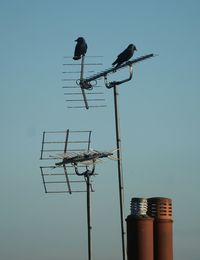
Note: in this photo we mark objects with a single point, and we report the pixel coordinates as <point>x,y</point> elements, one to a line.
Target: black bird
<point>125,55</point>
<point>80,49</point>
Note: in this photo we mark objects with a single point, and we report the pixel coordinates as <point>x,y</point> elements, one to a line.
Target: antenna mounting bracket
<point>115,83</point>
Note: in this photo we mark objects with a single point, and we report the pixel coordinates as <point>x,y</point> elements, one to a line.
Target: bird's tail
<point>113,64</point>
<point>76,57</point>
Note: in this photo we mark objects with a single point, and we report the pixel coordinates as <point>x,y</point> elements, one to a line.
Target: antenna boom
<point>114,69</point>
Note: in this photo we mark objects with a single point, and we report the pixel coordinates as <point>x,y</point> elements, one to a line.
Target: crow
<point>80,49</point>
<point>125,55</point>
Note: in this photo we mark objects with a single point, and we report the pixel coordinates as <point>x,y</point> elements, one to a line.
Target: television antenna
<point>72,159</point>
<point>87,84</point>
<point>76,96</point>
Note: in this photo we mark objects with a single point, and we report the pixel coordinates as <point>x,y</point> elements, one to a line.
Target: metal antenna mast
<point>120,170</point>
<point>88,184</point>
<point>86,84</point>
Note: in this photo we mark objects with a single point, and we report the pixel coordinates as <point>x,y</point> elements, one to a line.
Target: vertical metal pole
<point>89,218</point>
<point>120,172</point>
<point>81,79</point>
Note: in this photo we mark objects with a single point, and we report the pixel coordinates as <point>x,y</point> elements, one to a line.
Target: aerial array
<point>70,160</point>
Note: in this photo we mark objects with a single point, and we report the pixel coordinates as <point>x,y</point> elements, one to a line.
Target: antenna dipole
<point>76,91</point>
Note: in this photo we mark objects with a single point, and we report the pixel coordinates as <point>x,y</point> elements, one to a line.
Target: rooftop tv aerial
<point>69,157</point>
<point>76,96</point>
<point>62,178</point>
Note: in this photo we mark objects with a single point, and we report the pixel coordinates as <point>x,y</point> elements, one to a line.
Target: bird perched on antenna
<point>80,49</point>
<point>125,55</point>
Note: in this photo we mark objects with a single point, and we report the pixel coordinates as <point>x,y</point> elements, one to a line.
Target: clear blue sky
<point>160,122</point>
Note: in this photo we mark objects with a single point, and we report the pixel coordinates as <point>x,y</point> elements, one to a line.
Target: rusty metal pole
<point>139,231</point>
<point>120,171</point>
<point>89,225</point>
<point>161,210</point>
